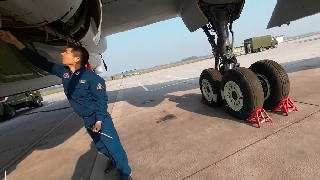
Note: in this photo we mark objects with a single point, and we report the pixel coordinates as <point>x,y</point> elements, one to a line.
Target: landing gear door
<point>191,15</point>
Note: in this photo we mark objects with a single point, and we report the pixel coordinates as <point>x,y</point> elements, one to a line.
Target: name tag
<point>82,81</point>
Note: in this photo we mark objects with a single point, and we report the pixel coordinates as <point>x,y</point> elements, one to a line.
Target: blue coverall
<point>90,102</point>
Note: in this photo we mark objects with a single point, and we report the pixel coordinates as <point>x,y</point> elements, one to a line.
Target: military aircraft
<point>48,26</point>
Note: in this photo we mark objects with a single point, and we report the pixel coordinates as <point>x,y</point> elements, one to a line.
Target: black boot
<point>111,166</point>
<point>126,177</point>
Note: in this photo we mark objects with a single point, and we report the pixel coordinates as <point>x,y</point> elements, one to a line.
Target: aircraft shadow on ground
<point>183,101</point>
<point>301,65</point>
<point>148,99</point>
<point>87,159</point>
<point>138,97</point>
<point>85,162</point>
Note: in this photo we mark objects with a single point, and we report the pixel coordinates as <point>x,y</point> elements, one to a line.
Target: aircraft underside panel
<point>38,11</point>
<point>290,10</point>
<point>124,15</point>
<point>17,74</point>
<point>17,87</point>
<point>47,27</point>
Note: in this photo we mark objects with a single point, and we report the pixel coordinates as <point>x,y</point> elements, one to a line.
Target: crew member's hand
<point>96,127</point>
<point>7,37</point>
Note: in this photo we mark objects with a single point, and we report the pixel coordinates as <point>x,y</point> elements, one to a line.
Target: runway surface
<point>168,134</point>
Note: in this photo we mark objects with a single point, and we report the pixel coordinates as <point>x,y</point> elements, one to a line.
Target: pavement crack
<point>255,142</point>
<point>116,100</point>
<point>24,152</point>
<point>77,129</point>
<point>13,148</point>
<point>295,63</point>
<point>17,126</point>
<point>311,104</point>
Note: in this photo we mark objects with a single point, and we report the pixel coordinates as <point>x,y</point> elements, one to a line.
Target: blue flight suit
<point>86,93</point>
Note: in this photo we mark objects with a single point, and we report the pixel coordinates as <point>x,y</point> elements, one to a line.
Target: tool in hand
<point>90,128</point>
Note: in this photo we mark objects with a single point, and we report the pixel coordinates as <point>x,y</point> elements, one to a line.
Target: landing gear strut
<point>240,90</point>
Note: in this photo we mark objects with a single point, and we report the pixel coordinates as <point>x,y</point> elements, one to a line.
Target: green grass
<point>158,69</point>
<point>142,72</point>
<point>51,92</point>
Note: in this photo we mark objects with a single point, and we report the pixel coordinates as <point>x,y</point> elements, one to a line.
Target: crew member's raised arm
<point>33,57</point>
<point>42,62</point>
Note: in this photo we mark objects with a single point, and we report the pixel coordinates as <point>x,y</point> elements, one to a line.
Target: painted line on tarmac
<point>25,151</point>
<point>10,121</point>
<point>177,77</point>
<point>185,81</point>
<point>144,87</point>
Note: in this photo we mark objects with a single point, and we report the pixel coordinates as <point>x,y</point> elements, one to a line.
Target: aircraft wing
<point>123,15</point>
<point>286,11</point>
<point>120,16</point>
<point>47,27</point>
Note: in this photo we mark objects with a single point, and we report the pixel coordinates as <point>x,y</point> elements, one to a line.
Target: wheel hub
<point>265,85</point>
<point>233,96</point>
<point>207,90</point>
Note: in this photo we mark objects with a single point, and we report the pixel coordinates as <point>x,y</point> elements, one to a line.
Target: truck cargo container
<point>261,43</point>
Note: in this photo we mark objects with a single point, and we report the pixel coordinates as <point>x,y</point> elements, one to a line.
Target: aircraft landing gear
<point>240,90</point>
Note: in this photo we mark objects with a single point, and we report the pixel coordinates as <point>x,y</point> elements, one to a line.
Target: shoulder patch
<point>99,86</point>
<point>66,75</point>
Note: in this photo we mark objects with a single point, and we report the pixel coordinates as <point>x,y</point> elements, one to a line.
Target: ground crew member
<point>249,47</point>
<point>86,93</point>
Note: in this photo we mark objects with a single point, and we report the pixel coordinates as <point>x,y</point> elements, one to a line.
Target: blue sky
<point>170,41</point>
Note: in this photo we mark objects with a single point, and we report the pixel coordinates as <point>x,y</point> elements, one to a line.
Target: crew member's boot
<point>111,166</point>
<point>126,177</point>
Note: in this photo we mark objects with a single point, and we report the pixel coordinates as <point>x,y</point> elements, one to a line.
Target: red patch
<point>66,75</point>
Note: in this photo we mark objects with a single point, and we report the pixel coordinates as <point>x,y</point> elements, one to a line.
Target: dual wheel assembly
<point>244,90</point>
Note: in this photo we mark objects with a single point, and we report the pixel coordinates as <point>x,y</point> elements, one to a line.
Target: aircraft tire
<point>274,80</point>
<point>242,92</point>
<point>210,80</point>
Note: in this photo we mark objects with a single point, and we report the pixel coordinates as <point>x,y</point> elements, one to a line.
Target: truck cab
<point>9,105</point>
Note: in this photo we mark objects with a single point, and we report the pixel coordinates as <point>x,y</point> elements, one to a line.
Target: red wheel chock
<point>259,116</point>
<point>285,105</point>
<point>203,101</point>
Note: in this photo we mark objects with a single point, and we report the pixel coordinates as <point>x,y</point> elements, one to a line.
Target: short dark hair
<point>81,52</point>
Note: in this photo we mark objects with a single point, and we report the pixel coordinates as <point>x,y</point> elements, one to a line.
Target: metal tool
<point>90,128</point>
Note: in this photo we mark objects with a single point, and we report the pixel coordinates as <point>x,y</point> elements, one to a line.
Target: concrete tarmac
<point>168,134</point>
